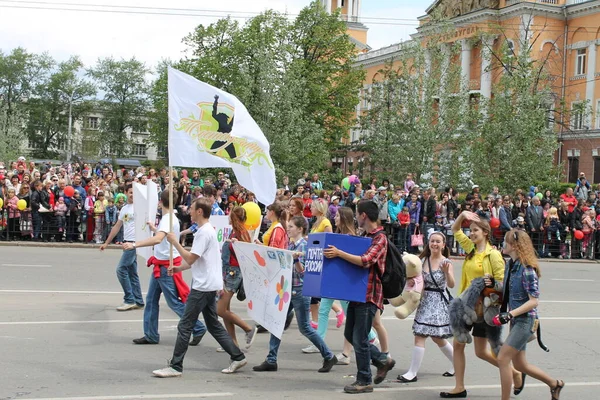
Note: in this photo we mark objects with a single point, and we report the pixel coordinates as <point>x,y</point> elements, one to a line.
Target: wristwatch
<point>134,245</point>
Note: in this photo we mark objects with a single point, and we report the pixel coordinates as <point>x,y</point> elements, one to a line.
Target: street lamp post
<point>70,130</point>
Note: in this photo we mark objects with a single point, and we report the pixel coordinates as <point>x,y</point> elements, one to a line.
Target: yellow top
<point>489,261</point>
<point>321,227</point>
<point>267,235</point>
<point>100,206</point>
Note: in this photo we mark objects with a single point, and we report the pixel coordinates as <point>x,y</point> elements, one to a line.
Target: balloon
<point>539,196</point>
<point>354,179</point>
<point>494,223</point>
<point>1,202</point>
<point>69,191</point>
<point>1,177</point>
<point>252,215</point>
<point>21,205</point>
<point>346,183</point>
<point>578,234</point>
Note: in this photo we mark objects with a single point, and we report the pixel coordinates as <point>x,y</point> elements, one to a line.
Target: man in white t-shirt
<point>205,262</point>
<point>173,286</point>
<point>127,267</point>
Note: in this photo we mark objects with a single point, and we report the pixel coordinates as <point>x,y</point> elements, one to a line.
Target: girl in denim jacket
<point>521,287</point>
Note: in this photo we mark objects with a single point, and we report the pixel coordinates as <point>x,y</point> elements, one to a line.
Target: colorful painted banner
<point>267,274</point>
<point>145,205</point>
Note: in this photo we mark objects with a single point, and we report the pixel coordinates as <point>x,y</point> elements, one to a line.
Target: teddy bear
<point>409,299</point>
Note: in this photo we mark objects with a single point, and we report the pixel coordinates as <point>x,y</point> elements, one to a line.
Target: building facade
<point>566,33</point>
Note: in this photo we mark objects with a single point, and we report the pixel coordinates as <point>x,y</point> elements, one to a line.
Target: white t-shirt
<point>127,215</point>
<point>161,250</point>
<point>207,271</point>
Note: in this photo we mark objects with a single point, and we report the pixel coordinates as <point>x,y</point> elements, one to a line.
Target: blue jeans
<point>359,321</point>
<point>129,279</point>
<point>163,284</point>
<point>37,224</point>
<point>324,308</point>
<point>301,305</point>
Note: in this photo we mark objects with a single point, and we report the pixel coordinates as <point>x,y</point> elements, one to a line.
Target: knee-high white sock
<point>415,363</point>
<point>448,351</point>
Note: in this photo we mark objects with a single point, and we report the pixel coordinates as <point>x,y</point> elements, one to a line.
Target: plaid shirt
<point>216,210</point>
<point>374,259</point>
<point>299,246</point>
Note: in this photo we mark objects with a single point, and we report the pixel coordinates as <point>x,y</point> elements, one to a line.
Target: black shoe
<point>261,329</point>
<point>460,395</point>
<point>328,364</point>
<point>518,391</point>
<point>196,340</point>
<point>447,374</point>
<point>402,379</point>
<point>383,370</point>
<point>265,366</point>
<point>143,340</point>
<point>357,388</point>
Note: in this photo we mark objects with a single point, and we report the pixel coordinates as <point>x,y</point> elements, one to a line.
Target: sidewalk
<point>114,246</point>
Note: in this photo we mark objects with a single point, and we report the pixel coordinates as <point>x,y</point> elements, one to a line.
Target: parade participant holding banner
<point>232,278</point>
<point>127,267</point>
<point>275,236</point>
<point>297,230</point>
<point>174,287</point>
<point>207,279</point>
<point>521,286</point>
<point>359,319</point>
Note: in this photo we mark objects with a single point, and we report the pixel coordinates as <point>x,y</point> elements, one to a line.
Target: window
<point>577,116</point>
<point>139,150</point>
<point>93,123</point>
<point>162,151</point>
<point>62,144</point>
<point>573,169</point>
<point>580,63</point>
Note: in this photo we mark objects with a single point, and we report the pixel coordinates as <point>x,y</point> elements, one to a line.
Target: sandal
<point>555,392</point>
<point>447,374</point>
<point>517,391</point>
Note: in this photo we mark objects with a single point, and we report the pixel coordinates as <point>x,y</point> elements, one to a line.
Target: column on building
<point>339,3</point>
<point>358,4</point>
<point>350,7</point>
<point>329,6</point>
<point>591,79</point>
<point>486,72</point>
<point>465,63</point>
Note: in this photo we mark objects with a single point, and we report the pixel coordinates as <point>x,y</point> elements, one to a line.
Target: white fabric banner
<point>212,128</point>
<point>224,230</point>
<point>267,274</point>
<point>145,205</point>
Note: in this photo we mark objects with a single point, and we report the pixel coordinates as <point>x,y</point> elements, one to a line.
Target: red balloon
<point>578,235</point>
<point>69,191</point>
<point>494,223</point>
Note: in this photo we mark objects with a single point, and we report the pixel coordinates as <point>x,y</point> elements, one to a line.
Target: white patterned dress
<point>432,317</point>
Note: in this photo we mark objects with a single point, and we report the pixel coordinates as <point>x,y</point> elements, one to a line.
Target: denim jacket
<point>523,282</point>
<point>225,257</point>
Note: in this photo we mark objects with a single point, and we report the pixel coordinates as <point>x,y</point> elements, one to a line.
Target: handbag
<point>486,292</point>
<point>241,293</point>
<point>449,297</point>
<point>416,239</point>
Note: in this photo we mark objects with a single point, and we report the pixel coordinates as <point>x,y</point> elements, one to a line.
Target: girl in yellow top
<point>318,209</point>
<point>482,260</point>
<point>99,209</point>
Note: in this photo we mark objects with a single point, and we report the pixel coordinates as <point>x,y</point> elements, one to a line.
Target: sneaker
<point>328,364</point>
<point>220,350</point>
<point>126,307</point>
<point>340,319</point>
<point>311,349</point>
<point>143,340</point>
<point>250,336</point>
<point>314,325</point>
<point>234,366</point>
<point>138,306</point>
<point>358,387</point>
<point>342,359</point>
<point>196,340</point>
<point>168,372</point>
<point>383,370</point>
<point>265,366</point>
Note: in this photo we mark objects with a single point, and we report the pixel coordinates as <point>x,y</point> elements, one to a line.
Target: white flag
<point>211,128</point>
<point>145,205</point>
<point>267,277</point>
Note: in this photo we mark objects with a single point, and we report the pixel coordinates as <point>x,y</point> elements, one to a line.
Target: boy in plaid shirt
<point>359,318</point>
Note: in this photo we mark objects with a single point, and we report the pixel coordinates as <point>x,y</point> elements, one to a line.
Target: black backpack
<point>394,276</point>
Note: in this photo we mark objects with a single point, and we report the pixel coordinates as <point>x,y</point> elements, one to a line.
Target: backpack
<point>394,276</point>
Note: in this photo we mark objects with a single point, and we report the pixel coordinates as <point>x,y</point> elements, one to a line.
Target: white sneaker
<point>234,366</point>
<point>342,359</point>
<point>250,336</point>
<point>310,349</point>
<point>220,350</point>
<point>168,372</point>
<point>127,307</point>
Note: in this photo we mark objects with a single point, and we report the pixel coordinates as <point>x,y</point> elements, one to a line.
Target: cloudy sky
<point>94,34</point>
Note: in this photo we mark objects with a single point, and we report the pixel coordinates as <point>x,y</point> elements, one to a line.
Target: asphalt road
<point>61,338</point>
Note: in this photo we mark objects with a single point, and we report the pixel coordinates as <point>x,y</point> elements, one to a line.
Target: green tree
<point>12,128</point>
<point>125,104</point>
<point>61,94</point>
<point>415,119</point>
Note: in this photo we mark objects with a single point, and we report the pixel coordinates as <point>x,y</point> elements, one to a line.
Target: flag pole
<point>171,215</point>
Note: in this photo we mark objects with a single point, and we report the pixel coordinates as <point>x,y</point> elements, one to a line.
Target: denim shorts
<point>521,330</point>
<point>232,279</point>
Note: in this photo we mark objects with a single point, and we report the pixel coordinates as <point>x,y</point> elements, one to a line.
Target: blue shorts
<point>232,279</point>
<point>521,330</point>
